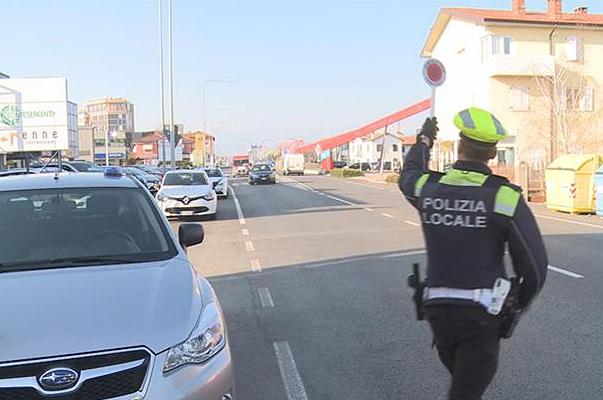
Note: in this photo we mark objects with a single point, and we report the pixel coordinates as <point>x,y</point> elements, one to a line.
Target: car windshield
<point>54,228</point>
<point>185,179</point>
<point>214,173</point>
<point>261,168</point>
<point>239,163</point>
<point>86,167</point>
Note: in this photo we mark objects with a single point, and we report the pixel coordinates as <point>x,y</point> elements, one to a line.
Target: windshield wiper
<point>63,262</point>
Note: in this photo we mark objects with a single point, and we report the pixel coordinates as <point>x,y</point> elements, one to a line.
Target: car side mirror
<point>190,234</point>
<point>215,184</point>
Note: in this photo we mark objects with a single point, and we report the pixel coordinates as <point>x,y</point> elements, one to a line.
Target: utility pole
<point>171,81</point>
<point>161,82</point>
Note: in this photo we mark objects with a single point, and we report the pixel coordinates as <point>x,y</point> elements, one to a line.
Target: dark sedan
<point>261,173</point>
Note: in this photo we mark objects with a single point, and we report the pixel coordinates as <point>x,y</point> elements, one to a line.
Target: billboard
<point>33,115</point>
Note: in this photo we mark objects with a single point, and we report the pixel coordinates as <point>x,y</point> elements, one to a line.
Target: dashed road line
<point>412,223</point>
<point>237,206</point>
<point>565,272</point>
<point>569,221</point>
<point>387,215</point>
<point>341,200</point>
<point>405,253</point>
<point>289,373</point>
<point>249,245</point>
<point>265,298</point>
<point>255,265</point>
<point>245,232</point>
<point>368,209</point>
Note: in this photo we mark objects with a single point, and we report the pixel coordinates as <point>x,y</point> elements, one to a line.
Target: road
<point>311,273</point>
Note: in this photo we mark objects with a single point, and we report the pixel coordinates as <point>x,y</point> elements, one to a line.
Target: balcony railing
<point>520,65</point>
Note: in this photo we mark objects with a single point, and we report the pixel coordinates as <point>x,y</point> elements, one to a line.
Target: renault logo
<point>186,200</point>
<point>58,379</point>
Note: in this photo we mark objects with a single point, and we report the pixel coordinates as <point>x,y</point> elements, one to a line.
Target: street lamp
<point>205,83</point>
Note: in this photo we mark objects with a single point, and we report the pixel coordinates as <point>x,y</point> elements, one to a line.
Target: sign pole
<point>433,102</point>
<point>434,74</point>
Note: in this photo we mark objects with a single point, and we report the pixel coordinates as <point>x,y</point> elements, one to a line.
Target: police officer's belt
<point>481,296</point>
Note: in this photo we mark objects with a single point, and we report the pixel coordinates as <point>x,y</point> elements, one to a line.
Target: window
<point>501,45</point>
<point>574,49</point>
<point>74,227</point>
<point>394,147</point>
<point>577,99</point>
<point>520,98</point>
<point>184,179</point>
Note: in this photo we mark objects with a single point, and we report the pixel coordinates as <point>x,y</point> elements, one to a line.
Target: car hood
<point>186,190</point>
<point>56,312</point>
<point>213,179</point>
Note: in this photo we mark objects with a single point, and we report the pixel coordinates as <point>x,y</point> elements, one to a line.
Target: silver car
<point>99,298</point>
<point>218,180</point>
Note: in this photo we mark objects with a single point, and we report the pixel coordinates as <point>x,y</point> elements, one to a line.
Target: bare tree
<point>568,93</point>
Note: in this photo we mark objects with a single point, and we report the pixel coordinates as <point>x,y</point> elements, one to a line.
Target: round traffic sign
<point>434,72</point>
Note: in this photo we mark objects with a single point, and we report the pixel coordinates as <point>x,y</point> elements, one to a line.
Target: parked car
<point>365,166</point>
<point>150,170</point>
<point>151,182</point>
<point>340,164</point>
<point>68,166</point>
<point>106,304</point>
<point>262,173</point>
<point>186,193</point>
<point>16,171</point>
<point>218,180</point>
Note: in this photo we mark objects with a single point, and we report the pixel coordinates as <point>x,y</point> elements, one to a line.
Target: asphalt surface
<point>312,273</point>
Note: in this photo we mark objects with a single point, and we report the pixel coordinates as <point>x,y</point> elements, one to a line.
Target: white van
<point>293,164</point>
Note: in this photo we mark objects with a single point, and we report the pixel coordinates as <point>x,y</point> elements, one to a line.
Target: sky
<point>291,68</point>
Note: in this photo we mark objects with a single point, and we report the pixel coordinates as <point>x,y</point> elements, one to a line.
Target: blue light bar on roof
<point>114,172</point>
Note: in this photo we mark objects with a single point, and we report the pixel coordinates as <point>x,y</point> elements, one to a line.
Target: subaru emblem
<point>58,379</point>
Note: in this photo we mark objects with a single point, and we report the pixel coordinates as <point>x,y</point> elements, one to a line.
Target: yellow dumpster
<point>570,183</point>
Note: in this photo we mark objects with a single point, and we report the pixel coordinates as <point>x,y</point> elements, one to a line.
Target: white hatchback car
<point>186,193</point>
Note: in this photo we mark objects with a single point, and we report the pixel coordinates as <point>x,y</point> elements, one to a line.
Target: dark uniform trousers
<point>467,339</point>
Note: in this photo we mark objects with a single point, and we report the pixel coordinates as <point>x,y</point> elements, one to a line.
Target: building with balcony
<point>537,71</point>
<point>111,118</point>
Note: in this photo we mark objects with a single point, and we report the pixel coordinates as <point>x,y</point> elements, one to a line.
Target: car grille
<point>178,210</point>
<point>103,387</point>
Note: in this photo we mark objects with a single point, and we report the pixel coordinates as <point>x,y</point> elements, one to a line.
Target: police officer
<point>468,216</point>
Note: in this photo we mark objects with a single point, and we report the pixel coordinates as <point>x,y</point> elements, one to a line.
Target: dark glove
<point>429,132</point>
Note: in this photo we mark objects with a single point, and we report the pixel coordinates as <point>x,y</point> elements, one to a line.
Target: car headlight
<point>205,342</point>
<point>209,197</point>
<point>160,197</point>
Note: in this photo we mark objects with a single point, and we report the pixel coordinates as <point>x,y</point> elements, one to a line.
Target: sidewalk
<point>375,178</point>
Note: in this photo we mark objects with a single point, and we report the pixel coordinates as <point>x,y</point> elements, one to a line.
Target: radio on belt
<point>500,291</point>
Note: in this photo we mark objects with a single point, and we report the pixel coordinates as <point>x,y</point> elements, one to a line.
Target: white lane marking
<point>265,298</point>
<point>412,223</point>
<point>237,206</point>
<point>368,209</point>
<point>565,272</point>
<point>361,184</point>
<point>286,363</point>
<point>245,232</point>
<point>255,265</point>
<point>570,221</point>
<point>405,253</point>
<point>249,245</point>
<point>235,184</point>
<point>341,200</point>
<point>387,215</point>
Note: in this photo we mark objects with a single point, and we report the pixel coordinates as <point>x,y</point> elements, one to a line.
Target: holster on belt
<point>511,312</point>
<point>415,282</point>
